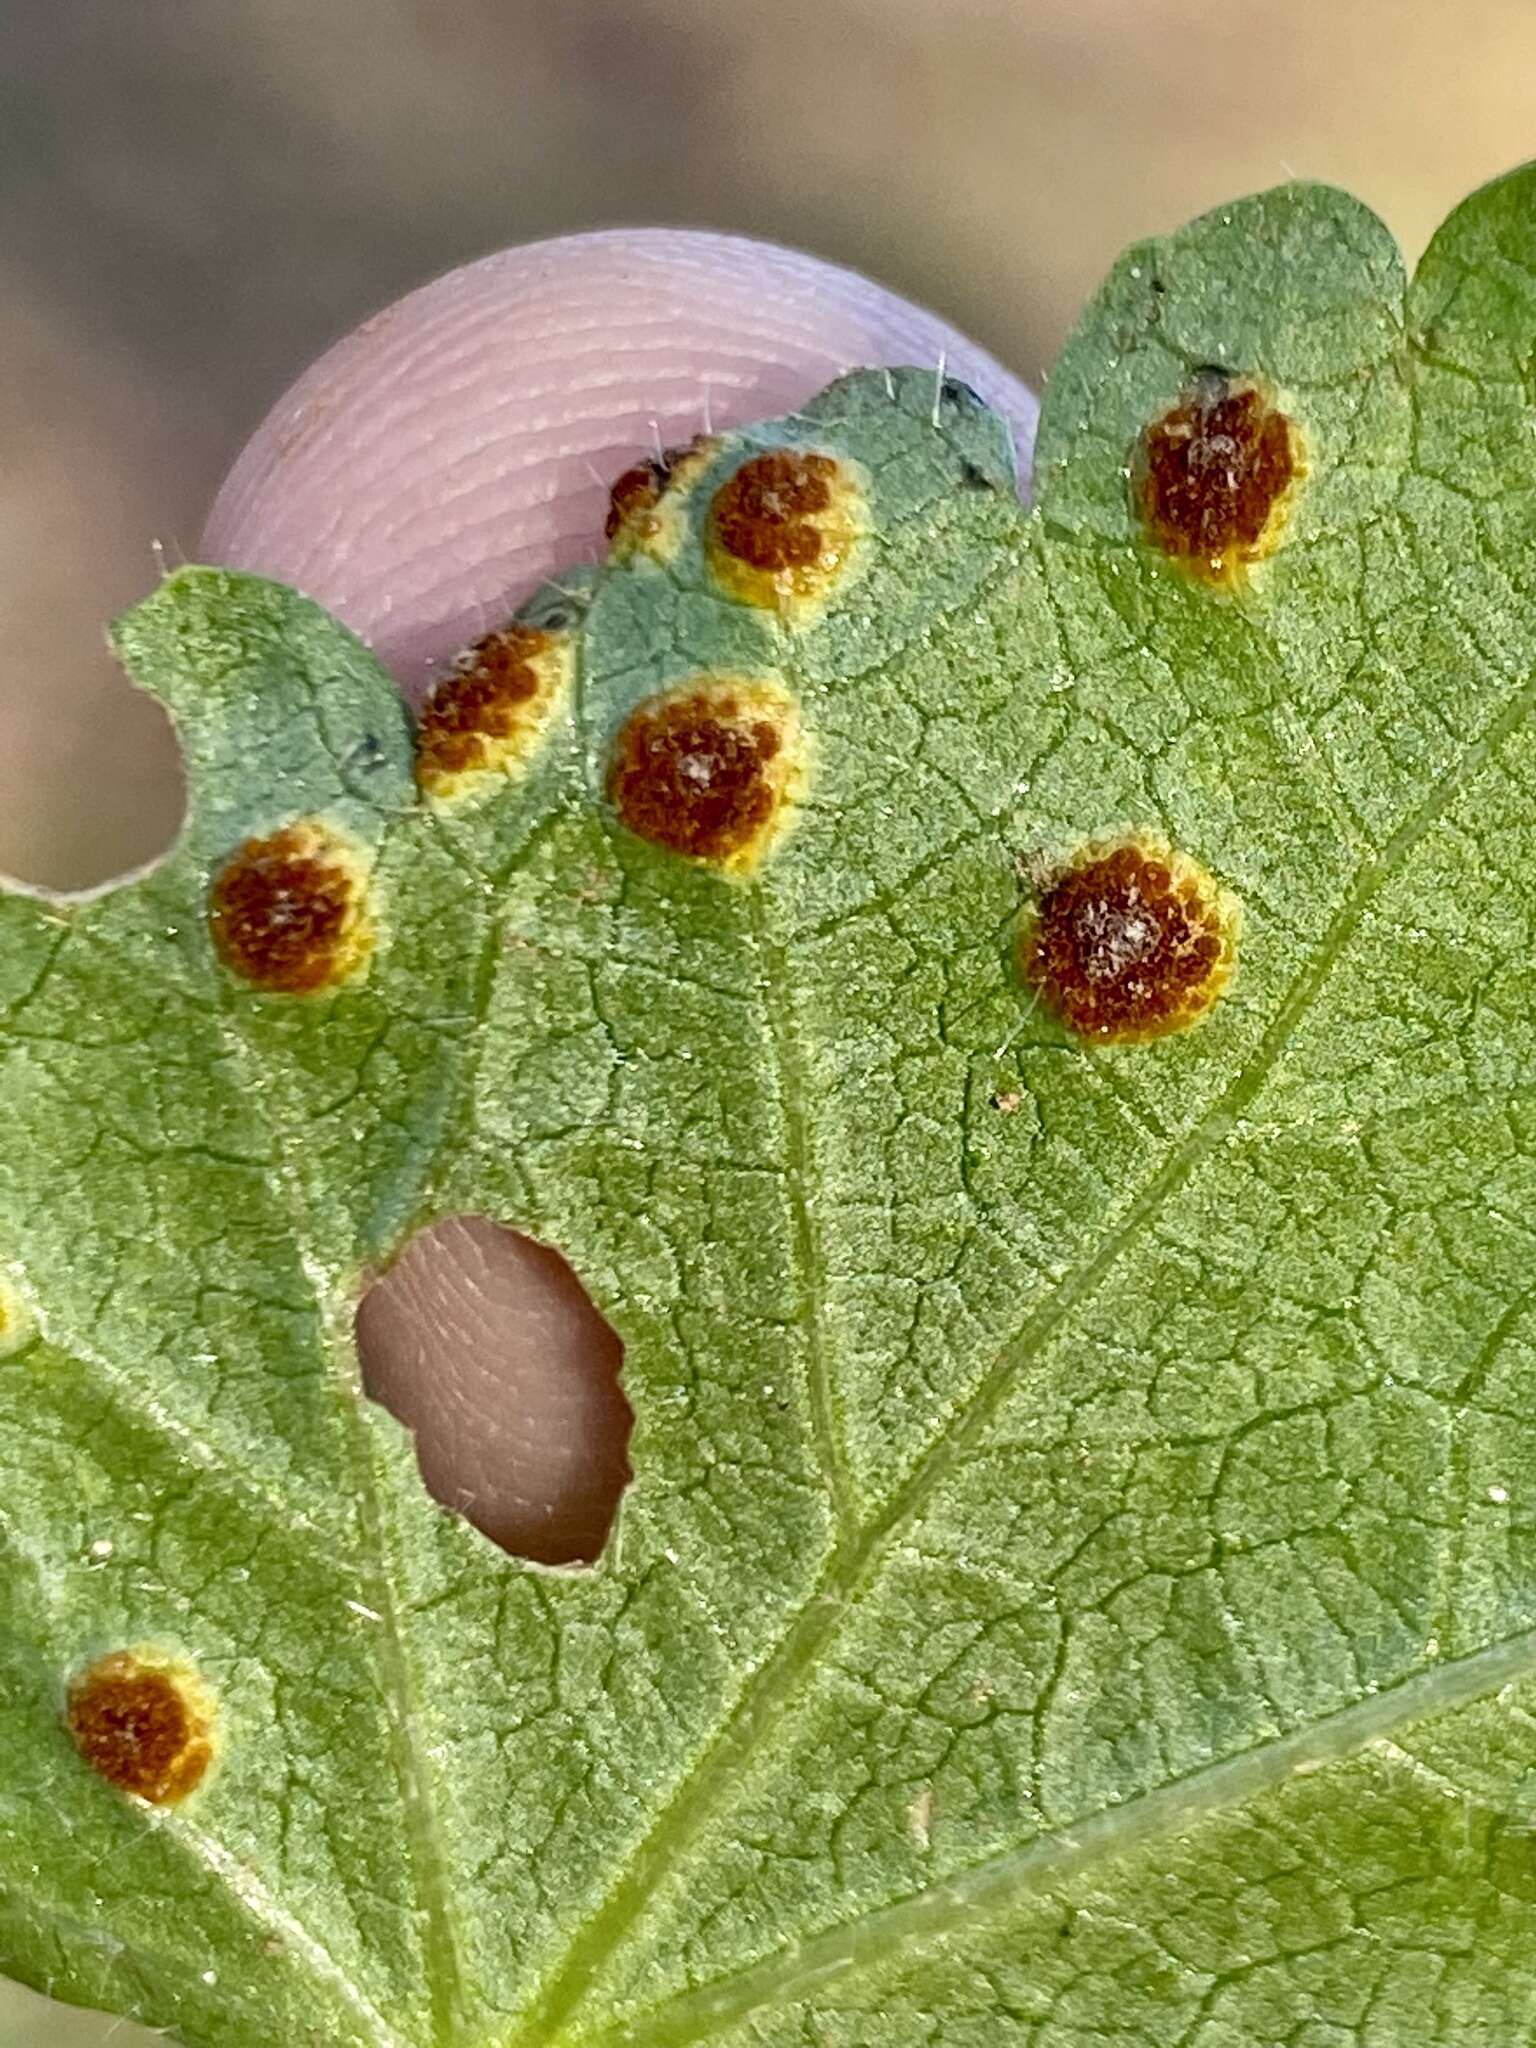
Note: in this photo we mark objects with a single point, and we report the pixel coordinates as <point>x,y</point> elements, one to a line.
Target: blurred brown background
<point>196,195</point>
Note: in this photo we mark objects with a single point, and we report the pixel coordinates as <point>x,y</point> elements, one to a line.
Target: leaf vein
<point>768,1693</point>
<point>992,1886</point>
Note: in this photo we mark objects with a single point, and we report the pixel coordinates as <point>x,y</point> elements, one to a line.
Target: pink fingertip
<point>454,451</point>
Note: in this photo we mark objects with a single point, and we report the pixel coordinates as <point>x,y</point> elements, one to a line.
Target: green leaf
<point>1079,1579</point>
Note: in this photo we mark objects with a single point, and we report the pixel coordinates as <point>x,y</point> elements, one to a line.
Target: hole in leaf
<point>92,792</point>
<point>487,1347</point>
<point>143,1720</point>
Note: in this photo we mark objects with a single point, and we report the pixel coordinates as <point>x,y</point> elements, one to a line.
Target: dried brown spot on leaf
<point>486,719</point>
<point>1216,475</point>
<point>784,529</point>
<point>144,1721</point>
<point>646,503</point>
<point>289,914</point>
<point>710,769</point>
<point>1129,940</point>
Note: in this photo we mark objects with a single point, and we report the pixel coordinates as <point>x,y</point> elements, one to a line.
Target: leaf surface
<point>1078,1582</point>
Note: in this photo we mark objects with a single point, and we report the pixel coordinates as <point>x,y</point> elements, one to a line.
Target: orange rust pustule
<point>485,700</point>
<point>1215,475</point>
<point>1129,942</point>
<point>697,772</point>
<point>286,912</point>
<point>636,491</point>
<point>141,1726</point>
<point>762,514</point>
<point>636,517</point>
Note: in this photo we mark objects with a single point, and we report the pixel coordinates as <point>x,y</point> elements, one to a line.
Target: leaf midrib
<point>776,1681</point>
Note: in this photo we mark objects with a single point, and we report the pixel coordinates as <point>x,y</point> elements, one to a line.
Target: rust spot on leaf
<point>289,914</point>
<point>1215,477</point>
<point>144,1721</point>
<point>635,492</point>
<point>646,503</point>
<point>709,770</point>
<point>1129,940</point>
<point>486,719</point>
<point>18,1325</point>
<point>784,529</point>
